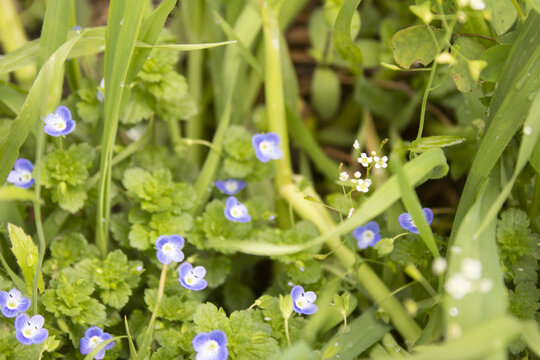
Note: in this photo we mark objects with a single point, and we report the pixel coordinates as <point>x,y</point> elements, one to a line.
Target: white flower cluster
<point>361,185</point>
<point>378,162</point>
<point>468,280</point>
<point>474,4</point>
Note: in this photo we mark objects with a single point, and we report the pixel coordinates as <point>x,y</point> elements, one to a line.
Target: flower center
<point>230,186</point>
<point>302,302</point>
<point>12,304</point>
<point>211,346</point>
<point>30,331</point>
<point>169,249</point>
<point>266,147</point>
<point>59,123</point>
<point>95,341</point>
<point>368,235</point>
<point>238,211</point>
<point>191,278</point>
<point>24,176</point>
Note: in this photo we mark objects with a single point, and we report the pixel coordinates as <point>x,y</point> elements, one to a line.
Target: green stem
<point>533,209</point>
<point>149,331</point>
<point>273,87</point>
<point>520,12</point>
<point>425,99</point>
<point>286,325</point>
<point>37,217</point>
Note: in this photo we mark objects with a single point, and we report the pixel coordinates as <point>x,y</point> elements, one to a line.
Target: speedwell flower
<point>21,175</point>
<point>406,221</point>
<point>30,330</point>
<point>12,303</point>
<point>59,123</point>
<point>266,146</point>
<point>236,211</point>
<point>303,302</point>
<point>94,336</point>
<point>192,278</point>
<point>169,248</point>
<point>211,345</point>
<point>367,235</point>
<point>230,186</point>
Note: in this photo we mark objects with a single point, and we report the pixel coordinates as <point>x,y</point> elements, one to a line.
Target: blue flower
<point>169,248</point>
<point>192,278</point>
<point>12,303</point>
<point>94,336</point>
<point>211,345</point>
<point>59,123</point>
<point>367,235</point>
<point>230,186</point>
<point>30,330</point>
<point>21,175</point>
<point>303,302</point>
<point>266,146</point>
<point>406,221</point>
<point>235,211</point>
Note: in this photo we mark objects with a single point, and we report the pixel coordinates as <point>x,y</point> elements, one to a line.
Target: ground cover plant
<point>266,179</point>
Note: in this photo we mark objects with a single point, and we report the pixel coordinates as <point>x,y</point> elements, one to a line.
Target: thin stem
<point>425,99</point>
<point>533,209</point>
<point>37,217</point>
<point>520,12</point>
<point>287,336</point>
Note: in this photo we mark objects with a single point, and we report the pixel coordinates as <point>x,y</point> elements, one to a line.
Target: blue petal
<point>23,164</point>
<point>231,201</point>
<point>296,292</point>
<point>200,271</point>
<point>161,240</point>
<point>85,346</point>
<point>219,336</point>
<point>223,353</point>
<point>63,112</point>
<point>8,312</point>
<point>52,131</point>
<point>107,336</point>
<point>406,222</point>
<point>373,226</point>
<point>199,341</point>
<point>24,305</point>
<point>198,286</point>
<point>310,309</point>
<point>177,256</point>
<point>37,321</point>
<point>177,240</point>
<point>164,259</point>
<point>41,336</point>
<point>310,296</point>
<point>70,127</point>
<point>100,355</point>
<point>93,331</point>
<point>22,339</point>
<point>21,321</point>
<point>3,298</point>
<point>428,215</point>
<point>184,269</point>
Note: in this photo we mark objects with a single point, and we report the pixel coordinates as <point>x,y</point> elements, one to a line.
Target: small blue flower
<point>59,123</point>
<point>406,221</point>
<point>30,330</point>
<point>21,175</point>
<point>94,336</point>
<point>192,278</point>
<point>76,28</point>
<point>12,303</point>
<point>266,146</point>
<point>235,211</point>
<point>367,235</point>
<point>303,302</point>
<point>211,345</point>
<point>230,186</point>
<point>169,248</point>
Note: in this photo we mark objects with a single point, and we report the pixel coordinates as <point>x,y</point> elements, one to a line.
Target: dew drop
<point>122,84</point>
<point>30,259</point>
<point>527,130</point>
<point>122,22</point>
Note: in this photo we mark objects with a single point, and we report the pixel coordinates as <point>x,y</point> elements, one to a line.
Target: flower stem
<point>37,217</point>
<point>425,99</point>
<point>287,336</point>
<point>149,331</point>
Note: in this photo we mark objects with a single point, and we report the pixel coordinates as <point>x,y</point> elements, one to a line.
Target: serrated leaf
<point>416,44</point>
<point>430,142</point>
<point>26,254</point>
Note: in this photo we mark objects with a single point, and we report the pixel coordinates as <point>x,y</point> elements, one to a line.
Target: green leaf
<point>462,74</point>
<point>502,15</point>
<point>495,57</point>
<point>342,38</point>
<point>26,254</point>
<point>325,92</point>
<point>419,43</point>
<point>430,142</point>
<point>71,198</point>
<point>13,193</point>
